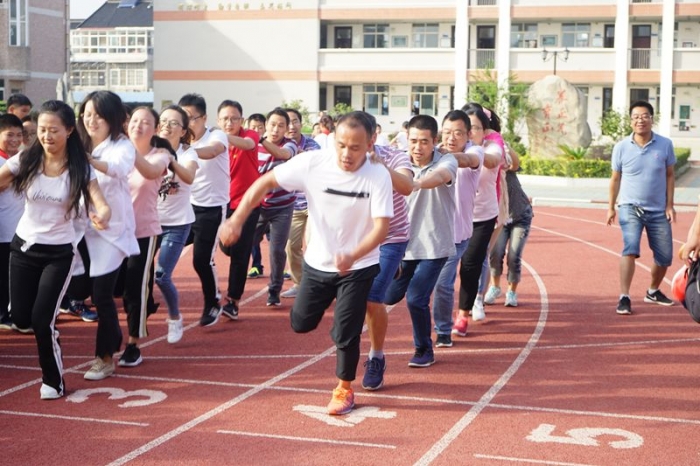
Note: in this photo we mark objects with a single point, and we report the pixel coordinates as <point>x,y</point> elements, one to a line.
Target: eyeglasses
<point>195,118</point>
<point>230,119</point>
<point>642,117</point>
<point>456,133</point>
<point>170,123</point>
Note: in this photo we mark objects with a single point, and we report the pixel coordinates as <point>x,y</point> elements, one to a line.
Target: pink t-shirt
<point>144,196</point>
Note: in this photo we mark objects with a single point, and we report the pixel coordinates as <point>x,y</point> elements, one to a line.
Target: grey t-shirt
<point>431,213</point>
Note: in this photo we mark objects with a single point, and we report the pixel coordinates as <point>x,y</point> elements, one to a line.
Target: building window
<point>425,35</point>
<point>116,41</point>
<point>376,99</point>
<point>343,37</point>
<point>88,74</point>
<point>607,99</point>
<point>19,33</point>
<point>523,35</point>
<point>609,39</point>
<point>575,34</point>
<point>424,98</point>
<point>376,36</point>
<point>2,90</point>
<point>673,101</point>
<point>128,75</point>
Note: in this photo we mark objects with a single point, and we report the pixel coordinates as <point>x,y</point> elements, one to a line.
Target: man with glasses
<point>642,185</point>
<point>209,197</point>
<point>295,243</point>
<point>243,163</point>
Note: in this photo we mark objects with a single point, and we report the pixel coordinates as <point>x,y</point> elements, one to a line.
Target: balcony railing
<point>483,2</point>
<point>482,58</point>
<point>640,59</point>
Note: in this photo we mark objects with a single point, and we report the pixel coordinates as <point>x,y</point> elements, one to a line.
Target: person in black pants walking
<point>55,175</point>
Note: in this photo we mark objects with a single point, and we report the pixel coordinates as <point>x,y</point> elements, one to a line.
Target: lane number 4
<point>586,436</point>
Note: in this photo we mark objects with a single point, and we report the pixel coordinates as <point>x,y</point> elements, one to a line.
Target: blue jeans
<point>513,236</point>
<point>280,221</point>
<point>172,241</point>
<point>633,220</point>
<point>444,299</point>
<point>416,282</point>
<point>390,256</point>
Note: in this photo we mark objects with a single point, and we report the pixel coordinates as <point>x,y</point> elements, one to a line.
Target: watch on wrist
<point>263,139</point>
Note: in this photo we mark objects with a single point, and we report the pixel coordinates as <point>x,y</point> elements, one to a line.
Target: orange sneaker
<point>342,402</point>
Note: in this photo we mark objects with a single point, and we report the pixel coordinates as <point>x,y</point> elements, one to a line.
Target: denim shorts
<point>390,257</point>
<point>633,220</point>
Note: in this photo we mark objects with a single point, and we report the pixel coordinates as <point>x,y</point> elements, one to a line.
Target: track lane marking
<point>307,439</point>
<point>72,418</point>
<point>527,460</point>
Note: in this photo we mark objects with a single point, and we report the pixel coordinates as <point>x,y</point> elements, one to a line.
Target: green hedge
<point>584,168</point>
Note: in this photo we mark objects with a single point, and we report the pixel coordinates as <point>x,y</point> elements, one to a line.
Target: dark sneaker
<point>422,358</point>
<point>210,316</point>
<point>87,314</point>
<point>72,307</point>
<point>273,298</point>
<point>5,323</point>
<point>230,310</point>
<point>657,297</point>
<point>443,341</point>
<point>255,272</point>
<point>374,374</point>
<point>64,308</point>
<point>624,306</point>
<point>287,275</point>
<point>131,357</point>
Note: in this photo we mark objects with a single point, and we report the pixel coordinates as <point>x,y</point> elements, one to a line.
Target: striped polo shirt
<point>278,197</point>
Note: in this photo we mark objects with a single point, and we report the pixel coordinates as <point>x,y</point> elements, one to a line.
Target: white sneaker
<point>174,330</point>
<point>511,299</point>
<point>47,392</point>
<point>290,293</point>
<point>99,370</point>
<point>478,310</point>
<point>492,294</point>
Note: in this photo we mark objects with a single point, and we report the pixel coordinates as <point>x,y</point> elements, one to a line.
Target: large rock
<point>559,117</point>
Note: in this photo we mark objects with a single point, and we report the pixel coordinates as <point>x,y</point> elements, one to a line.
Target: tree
<point>615,124</point>
<point>339,110</point>
<point>298,105</point>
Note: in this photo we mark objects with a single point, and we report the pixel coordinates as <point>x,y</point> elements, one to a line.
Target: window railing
<point>483,2</point>
<point>482,58</point>
<point>640,59</point>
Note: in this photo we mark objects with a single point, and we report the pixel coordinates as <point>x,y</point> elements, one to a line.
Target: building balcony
<point>136,57</point>
<point>386,65</point>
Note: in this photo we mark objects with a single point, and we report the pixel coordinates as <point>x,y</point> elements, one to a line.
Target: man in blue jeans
<point>644,180</point>
<point>431,216</point>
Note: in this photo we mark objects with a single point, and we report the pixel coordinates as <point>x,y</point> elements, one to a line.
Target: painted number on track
<point>586,436</point>
<point>147,397</point>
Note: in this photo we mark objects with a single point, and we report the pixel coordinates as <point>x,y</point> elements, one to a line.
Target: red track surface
<point>559,380</point>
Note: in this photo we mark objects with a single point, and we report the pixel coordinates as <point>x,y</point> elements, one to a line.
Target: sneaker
<point>286,275</point>
<point>87,314</point>
<point>64,308</point>
<point>290,293</point>
<point>255,272</point>
<point>658,297</point>
<point>174,330</point>
<point>210,316</point>
<point>492,294</point>
<point>422,358</point>
<point>26,331</point>
<point>460,326</point>
<point>478,310</point>
<point>47,392</point>
<point>342,402</point>
<point>5,323</point>
<point>511,299</point>
<point>99,370</point>
<point>273,298</point>
<point>624,306</point>
<point>131,357</point>
<point>443,341</point>
<point>374,374</point>
<point>230,310</point>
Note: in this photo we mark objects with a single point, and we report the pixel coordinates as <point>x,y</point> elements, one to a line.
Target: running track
<point>560,380</point>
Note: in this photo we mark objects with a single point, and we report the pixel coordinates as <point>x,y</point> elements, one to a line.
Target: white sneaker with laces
<point>478,310</point>
<point>290,293</point>
<point>492,294</point>
<point>100,370</point>
<point>174,330</point>
<point>511,299</point>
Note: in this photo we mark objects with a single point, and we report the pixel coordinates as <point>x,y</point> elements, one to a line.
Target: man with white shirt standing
<point>209,197</point>
<point>350,205</point>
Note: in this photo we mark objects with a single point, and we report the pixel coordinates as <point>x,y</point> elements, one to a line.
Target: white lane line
<point>218,410</point>
<point>73,418</point>
<point>566,217</point>
<point>307,439</point>
<point>145,345</point>
<point>527,460</point>
<point>469,417</point>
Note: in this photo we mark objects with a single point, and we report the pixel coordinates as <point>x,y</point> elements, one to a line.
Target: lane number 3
<point>147,397</point>
<point>586,436</point>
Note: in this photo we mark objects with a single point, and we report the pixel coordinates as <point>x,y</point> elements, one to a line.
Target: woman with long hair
<point>60,185</point>
<point>144,183</point>
<point>101,125</point>
<point>174,209</point>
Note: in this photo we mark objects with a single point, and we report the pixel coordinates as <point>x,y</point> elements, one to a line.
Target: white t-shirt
<point>46,219</point>
<point>210,187</point>
<point>176,208</point>
<point>466,184</point>
<point>11,210</point>
<point>342,205</point>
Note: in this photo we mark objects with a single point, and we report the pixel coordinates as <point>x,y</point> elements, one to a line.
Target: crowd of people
<point>88,200</point>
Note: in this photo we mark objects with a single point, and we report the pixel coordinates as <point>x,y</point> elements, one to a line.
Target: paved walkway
<point>554,191</point>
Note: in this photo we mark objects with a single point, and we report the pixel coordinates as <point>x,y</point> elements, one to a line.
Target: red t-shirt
<point>244,167</point>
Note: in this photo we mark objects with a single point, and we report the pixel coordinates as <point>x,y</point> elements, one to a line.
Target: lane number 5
<point>586,436</point>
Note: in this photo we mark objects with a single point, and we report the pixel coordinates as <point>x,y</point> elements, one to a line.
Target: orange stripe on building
<point>642,10</point>
<point>687,9</point>
<point>387,14</point>
<point>686,77</point>
<point>563,12</point>
<point>233,15</point>
<point>233,75</point>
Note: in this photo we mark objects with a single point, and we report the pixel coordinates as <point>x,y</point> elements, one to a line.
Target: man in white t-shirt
<point>350,205</point>
<point>209,196</point>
